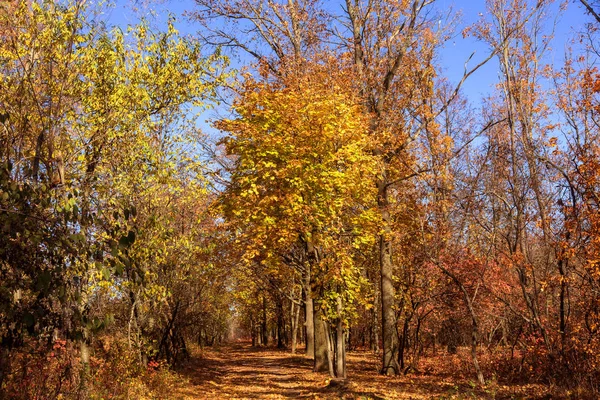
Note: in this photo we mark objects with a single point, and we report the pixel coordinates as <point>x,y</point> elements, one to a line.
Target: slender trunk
<point>474,333</point>
<point>84,356</point>
<point>302,331</point>
<point>37,157</point>
<point>330,350</point>
<point>295,321</point>
<point>259,335</point>
<point>418,348</point>
<point>403,342</point>
<point>388,315</point>
<point>320,342</point>
<point>308,315</point>
<point>562,310</point>
<point>340,350</point>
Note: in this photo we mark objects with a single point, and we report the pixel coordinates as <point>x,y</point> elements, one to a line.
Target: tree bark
<point>295,314</point>
<point>84,356</point>
<point>320,342</point>
<point>330,349</point>
<point>310,327</point>
<point>474,333</point>
<point>388,294</point>
<point>340,349</point>
<point>309,310</point>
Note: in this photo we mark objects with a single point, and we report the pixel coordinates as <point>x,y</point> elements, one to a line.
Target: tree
<point>392,45</point>
<point>301,162</point>
<point>88,123</point>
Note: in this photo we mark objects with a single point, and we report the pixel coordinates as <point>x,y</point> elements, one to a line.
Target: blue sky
<point>452,57</point>
<point>457,51</point>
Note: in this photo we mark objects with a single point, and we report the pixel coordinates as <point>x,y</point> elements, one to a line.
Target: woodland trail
<point>238,371</point>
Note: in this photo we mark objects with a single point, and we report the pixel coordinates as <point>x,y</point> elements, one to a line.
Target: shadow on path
<point>239,371</point>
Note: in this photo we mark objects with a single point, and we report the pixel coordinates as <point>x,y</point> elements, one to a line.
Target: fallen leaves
<point>238,371</point>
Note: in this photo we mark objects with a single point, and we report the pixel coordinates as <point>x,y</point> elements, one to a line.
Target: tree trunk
<point>309,315</point>
<point>330,349</point>
<point>418,347</point>
<point>388,315</point>
<point>259,335</point>
<point>320,342</point>
<point>403,342</point>
<point>340,350</point>
<point>474,333</point>
<point>84,356</point>
<point>295,314</point>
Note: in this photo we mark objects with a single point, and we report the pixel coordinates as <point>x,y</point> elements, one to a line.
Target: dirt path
<point>238,371</point>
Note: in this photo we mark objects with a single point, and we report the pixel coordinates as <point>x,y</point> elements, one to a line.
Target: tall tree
<point>393,44</point>
<point>301,158</point>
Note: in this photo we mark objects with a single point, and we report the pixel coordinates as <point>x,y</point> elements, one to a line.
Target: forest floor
<point>239,371</point>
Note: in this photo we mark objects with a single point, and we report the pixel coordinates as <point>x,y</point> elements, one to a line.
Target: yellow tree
<point>391,45</point>
<point>92,123</point>
<point>303,173</point>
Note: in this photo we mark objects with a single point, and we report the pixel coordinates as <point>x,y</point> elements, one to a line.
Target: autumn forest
<point>296,199</point>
